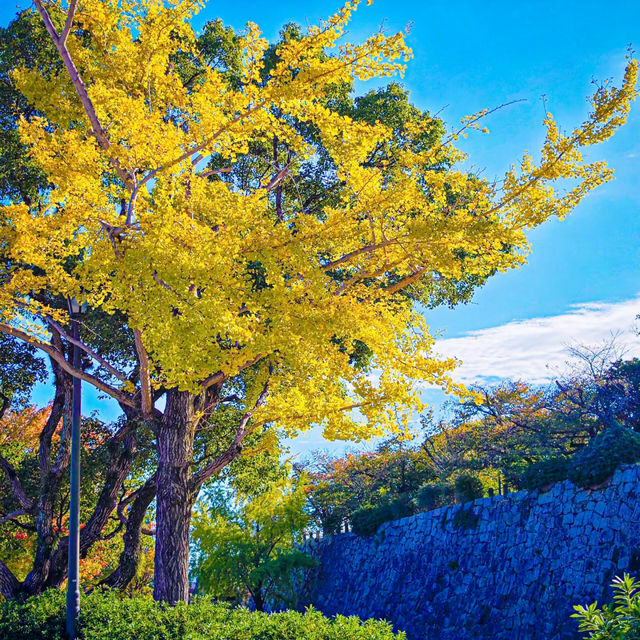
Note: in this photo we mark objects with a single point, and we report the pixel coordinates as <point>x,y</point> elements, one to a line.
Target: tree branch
<point>145,376</point>
<point>88,350</point>
<point>219,377</point>
<point>16,486</point>
<point>9,584</point>
<point>58,356</point>
<point>234,450</point>
<point>78,83</point>
<point>68,24</point>
<point>14,514</point>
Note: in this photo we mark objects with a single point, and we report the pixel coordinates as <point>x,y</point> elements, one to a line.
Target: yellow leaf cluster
<point>173,249</point>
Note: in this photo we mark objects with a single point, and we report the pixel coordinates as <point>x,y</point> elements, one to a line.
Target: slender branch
<point>88,350</point>
<point>68,24</point>
<point>221,377</point>
<point>12,515</point>
<point>145,376</point>
<point>234,450</point>
<point>405,282</point>
<point>368,249</point>
<point>213,172</point>
<point>16,486</point>
<point>78,83</point>
<point>58,356</point>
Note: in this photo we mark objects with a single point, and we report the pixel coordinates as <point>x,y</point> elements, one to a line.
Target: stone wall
<point>497,568</point>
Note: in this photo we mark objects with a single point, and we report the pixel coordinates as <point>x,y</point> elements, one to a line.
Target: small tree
<point>251,549</point>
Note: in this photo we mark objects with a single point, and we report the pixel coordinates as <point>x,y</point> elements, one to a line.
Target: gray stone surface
<point>515,576</point>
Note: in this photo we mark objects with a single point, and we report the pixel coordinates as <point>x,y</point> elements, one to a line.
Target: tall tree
<point>248,303</point>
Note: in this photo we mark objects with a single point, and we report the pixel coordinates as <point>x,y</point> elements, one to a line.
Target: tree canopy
<point>249,236</point>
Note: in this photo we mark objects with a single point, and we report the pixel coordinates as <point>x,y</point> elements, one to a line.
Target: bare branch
<point>68,24</point>
<point>88,350</point>
<point>58,356</point>
<point>145,375</point>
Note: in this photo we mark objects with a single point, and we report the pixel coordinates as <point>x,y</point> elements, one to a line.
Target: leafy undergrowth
<point>108,616</point>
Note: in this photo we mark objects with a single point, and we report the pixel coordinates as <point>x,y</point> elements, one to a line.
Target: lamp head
<point>75,308</point>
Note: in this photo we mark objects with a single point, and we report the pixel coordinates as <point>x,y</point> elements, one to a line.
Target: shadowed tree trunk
<point>175,497</point>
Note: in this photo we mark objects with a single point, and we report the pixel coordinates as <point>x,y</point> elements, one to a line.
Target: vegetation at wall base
<point>620,619</point>
<point>109,616</point>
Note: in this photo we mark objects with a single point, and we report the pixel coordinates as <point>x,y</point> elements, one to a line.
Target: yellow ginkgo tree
<point>246,304</point>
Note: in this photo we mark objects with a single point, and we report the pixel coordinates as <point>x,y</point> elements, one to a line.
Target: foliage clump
<point>366,521</point>
<point>468,488</point>
<point>433,495</point>
<point>621,619</point>
<point>597,461</point>
<point>545,472</point>
<point>107,616</point>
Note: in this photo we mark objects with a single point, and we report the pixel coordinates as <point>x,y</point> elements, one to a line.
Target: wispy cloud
<point>535,349</point>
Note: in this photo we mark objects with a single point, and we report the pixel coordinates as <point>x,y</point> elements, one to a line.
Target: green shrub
<point>365,521</point>
<point>402,507</point>
<point>597,461</point>
<point>545,472</point>
<point>468,488</point>
<point>108,616</point>
<point>434,495</point>
<point>618,620</point>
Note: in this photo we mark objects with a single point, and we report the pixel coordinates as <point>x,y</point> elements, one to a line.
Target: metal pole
<point>73,583</point>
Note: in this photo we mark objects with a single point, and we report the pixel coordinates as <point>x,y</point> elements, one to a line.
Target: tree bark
<point>175,435</point>
<point>130,556</point>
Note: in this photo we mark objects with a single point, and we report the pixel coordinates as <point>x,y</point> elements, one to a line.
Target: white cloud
<point>535,349</point>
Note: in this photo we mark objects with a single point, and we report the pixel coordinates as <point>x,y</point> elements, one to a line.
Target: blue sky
<point>583,276</point>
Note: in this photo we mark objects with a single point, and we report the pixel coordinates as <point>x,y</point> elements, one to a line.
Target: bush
<point>465,519</point>
<point>618,620</point>
<point>108,616</point>
<point>545,472</point>
<point>468,488</point>
<point>402,507</point>
<point>433,496</point>
<point>367,520</point>
<point>597,461</point>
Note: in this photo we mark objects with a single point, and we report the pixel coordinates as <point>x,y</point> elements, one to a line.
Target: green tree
<point>250,548</point>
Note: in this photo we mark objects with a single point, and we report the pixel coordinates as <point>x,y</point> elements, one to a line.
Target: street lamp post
<point>73,582</point>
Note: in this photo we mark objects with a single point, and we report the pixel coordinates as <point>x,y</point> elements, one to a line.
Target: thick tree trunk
<point>175,497</point>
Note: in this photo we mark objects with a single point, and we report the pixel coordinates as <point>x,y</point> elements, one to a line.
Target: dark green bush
<point>402,507</point>
<point>434,495</point>
<point>618,620</point>
<point>597,461</point>
<point>468,488</point>
<point>545,472</point>
<point>365,521</point>
<point>108,616</point>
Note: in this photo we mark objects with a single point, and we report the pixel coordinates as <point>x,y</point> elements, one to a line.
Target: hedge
<point>106,615</point>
